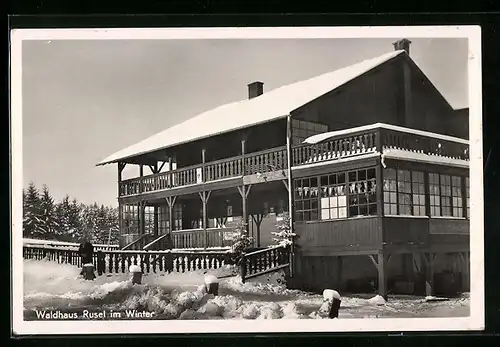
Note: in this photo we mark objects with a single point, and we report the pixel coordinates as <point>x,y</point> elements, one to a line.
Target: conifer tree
<point>31,212</point>
<point>48,225</point>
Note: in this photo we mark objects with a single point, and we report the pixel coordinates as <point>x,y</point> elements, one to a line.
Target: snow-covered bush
<point>284,236</point>
<point>241,242</point>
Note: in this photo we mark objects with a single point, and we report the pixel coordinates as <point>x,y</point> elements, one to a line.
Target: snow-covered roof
<point>328,135</point>
<point>272,105</point>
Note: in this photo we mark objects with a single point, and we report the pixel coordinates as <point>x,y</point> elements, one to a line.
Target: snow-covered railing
<point>62,244</point>
<point>376,138</point>
<point>118,261</point>
<point>264,261</point>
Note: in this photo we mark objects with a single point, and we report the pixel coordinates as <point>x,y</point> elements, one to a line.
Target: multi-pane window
<point>418,192</point>
<point>333,202</point>
<point>456,193</point>
<point>390,192</point>
<point>467,194</point>
<point>306,199</point>
<point>404,192</point>
<point>177,217</point>
<point>334,196</point>
<point>301,130</point>
<point>362,193</point>
<point>445,184</point>
<point>434,194</point>
<point>130,215</point>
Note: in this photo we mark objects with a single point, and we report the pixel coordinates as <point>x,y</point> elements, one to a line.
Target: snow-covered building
<point>378,162</point>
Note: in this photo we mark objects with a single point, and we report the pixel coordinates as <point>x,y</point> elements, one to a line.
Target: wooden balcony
<point>376,138</point>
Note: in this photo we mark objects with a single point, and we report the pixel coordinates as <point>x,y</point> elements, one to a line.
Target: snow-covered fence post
<point>332,301</point>
<point>211,284</point>
<point>136,274</point>
<point>88,272</point>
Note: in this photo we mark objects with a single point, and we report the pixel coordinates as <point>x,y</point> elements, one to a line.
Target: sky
<point>84,100</point>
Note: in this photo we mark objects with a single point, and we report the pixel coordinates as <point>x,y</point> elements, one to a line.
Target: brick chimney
<point>403,44</point>
<point>255,89</point>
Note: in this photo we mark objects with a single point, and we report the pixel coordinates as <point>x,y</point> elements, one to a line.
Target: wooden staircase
<point>139,244</point>
<point>264,261</point>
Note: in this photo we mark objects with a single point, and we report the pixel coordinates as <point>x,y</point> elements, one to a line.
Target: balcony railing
<point>252,163</point>
<point>376,138</point>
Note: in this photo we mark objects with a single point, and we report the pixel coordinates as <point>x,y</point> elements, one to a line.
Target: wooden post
<point>244,191</point>
<point>382,276</point>
<point>142,217</point>
<point>141,182</point>
<point>203,158</point>
<point>204,196</point>
<point>290,196</point>
<point>258,221</point>
<point>171,202</point>
<point>429,273</point>
<point>243,163</point>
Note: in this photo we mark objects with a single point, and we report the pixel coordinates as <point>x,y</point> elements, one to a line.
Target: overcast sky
<point>84,100</point>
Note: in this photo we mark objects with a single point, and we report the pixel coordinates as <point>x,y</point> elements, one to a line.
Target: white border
<point>474,322</point>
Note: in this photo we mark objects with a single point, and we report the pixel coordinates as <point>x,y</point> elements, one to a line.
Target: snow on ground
<point>52,286</point>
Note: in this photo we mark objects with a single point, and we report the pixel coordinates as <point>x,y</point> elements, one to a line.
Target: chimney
<point>255,89</point>
<point>403,44</point>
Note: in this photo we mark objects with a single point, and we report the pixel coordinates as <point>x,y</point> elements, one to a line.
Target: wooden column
<point>244,191</point>
<point>380,261</point>
<point>121,166</point>
<point>429,272</point>
<point>142,217</point>
<point>170,203</point>
<point>290,187</point>
<point>203,160</point>
<point>243,163</point>
<point>204,196</point>
<point>141,174</point>
<point>258,221</point>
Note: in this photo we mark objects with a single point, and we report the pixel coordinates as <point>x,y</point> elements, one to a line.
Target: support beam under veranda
<point>204,196</point>
<point>380,261</point>
<point>244,191</point>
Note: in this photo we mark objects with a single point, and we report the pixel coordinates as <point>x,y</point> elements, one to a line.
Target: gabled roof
<point>272,105</point>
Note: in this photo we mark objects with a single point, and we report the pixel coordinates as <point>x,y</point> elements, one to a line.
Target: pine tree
<point>31,212</point>
<point>62,216</point>
<point>48,225</point>
<point>75,231</point>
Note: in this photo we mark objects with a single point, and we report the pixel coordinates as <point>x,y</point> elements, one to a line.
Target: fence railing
<point>62,244</point>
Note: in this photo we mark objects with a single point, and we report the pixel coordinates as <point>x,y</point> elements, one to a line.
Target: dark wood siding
<point>379,96</point>
<point>405,234</point>
<point>342,108</point>
<point>341,236</point>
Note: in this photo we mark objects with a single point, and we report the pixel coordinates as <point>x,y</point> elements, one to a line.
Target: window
<point>333,201</point>
<point>177,217</point>
<point>418,193</point>
<point>306,199</point>
<point>362,193</point>
<point>390,192</point>
<point>467,194</point>
<point>434,194</point>
<point>404,192</point>
<point>445,184</point>
<point>456,193</point>
<point>302,130</point>
<point>337,195</point>
<point>130,219</point>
